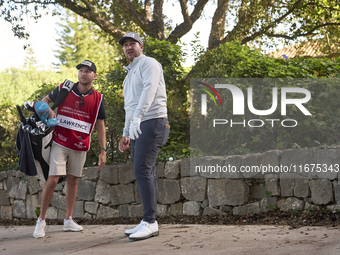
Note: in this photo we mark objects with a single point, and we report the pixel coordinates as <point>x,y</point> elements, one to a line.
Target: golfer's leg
<point>155,184</point>
<point>146,149</point>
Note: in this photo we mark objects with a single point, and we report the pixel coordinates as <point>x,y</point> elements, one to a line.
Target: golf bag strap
<point>46,133</point>
<point>64,90</point>
<point>22,118</point>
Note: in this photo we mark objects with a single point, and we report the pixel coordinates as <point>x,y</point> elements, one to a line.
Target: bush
<point>230,60</point>
<point>17,86</point>
<point>233,60</point>
<point>111,85</point>
<point>8,130</point>
<point>171,58</point>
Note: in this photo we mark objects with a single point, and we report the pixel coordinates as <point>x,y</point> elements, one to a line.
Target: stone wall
<point>113,192</point>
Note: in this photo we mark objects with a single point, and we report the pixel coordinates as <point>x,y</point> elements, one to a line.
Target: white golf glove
<point>134,130</point>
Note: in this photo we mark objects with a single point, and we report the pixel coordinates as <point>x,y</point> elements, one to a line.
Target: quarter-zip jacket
<point>144,91</point>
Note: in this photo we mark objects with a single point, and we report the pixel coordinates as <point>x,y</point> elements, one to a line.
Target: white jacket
<point>144,91</point>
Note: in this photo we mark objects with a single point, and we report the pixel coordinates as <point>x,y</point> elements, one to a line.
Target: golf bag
<point>34,138</point>
<point>33,150</point>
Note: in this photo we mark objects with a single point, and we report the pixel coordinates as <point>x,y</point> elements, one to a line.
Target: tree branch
<point>25,2</point>
<point>218,24</point>
<point>311,32</point>
<point>94,17</point>
<point>147,7</point>
<point>87,4</point>
<point>184,27</point>
<point>185,12</point>
<point>135,15</point>
<point>272,24</point>
<point>158,21</point>
<point>231,35</point>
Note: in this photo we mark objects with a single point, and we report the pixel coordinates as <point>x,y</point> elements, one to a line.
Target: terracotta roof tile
<point>305,49</point>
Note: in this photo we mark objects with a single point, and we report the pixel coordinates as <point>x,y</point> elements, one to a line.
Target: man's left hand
<point>134,130</point>
<point>102,160</point>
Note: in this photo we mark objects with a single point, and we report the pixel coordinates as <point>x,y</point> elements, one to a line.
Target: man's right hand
<point>124,143</point>
<point>51,113</point>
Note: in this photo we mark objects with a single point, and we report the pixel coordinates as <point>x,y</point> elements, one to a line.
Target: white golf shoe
<point>71,225</point>
<point>144,231</point>
<point>39,230</point>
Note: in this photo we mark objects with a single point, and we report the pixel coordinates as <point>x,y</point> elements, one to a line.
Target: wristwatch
<point>103,148</point>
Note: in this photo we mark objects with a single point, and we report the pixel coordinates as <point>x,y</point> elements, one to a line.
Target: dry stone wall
<point>183,190</point>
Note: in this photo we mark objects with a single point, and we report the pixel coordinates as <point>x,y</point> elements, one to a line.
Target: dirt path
<point>174,239</point>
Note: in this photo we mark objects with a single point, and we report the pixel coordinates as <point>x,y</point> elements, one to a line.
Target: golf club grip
<point>22,118</point>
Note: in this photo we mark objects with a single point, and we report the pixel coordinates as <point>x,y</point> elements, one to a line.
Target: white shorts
<point>64,161</point>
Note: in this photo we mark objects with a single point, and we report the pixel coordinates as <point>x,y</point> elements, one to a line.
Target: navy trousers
<point>144,152</point>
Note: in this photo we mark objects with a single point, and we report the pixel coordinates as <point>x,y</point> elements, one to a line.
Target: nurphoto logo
<point>299,97</point>
<point>249,127</point>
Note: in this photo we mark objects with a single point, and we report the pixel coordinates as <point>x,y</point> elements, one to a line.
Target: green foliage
<point>268,193</point>
<point>16,85</point>
<point>8,128</point>
<point>324,209</point>
<point>271,207</point>
<point>296,210</point>
<point>171,58</point>
<point>262,22</point>
<point>196,47</point>
<point>228,61</point>
<point>30,59</point>
<point>232,60</point>
<point>37,211</point>
<point>42,91</point>
<point>235,61</point>
<point>81,39</point>
<point>111,85</point>
<point>311,208</point>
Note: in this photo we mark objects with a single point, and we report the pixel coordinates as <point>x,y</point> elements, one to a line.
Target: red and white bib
<point>76,122</point>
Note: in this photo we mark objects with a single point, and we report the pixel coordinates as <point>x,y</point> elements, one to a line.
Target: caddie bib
<point>77,118</point>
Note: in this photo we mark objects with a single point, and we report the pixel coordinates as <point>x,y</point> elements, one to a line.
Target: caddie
<point>81,110</point>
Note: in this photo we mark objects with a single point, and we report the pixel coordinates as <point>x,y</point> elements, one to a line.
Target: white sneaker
<point>133,230</point>
<point>145,231</point>
<point>71,225</point>
<point>39,230</point>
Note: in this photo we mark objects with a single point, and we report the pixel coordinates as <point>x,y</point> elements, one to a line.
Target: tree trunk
<point>218,24</point>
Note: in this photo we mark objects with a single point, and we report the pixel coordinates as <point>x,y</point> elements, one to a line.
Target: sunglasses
<point>81,100</point>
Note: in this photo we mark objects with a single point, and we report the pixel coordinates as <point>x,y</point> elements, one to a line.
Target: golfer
<point>146,127</point>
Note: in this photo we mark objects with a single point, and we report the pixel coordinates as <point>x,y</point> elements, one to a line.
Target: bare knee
<point>52,181</point>
<point>71,180</point>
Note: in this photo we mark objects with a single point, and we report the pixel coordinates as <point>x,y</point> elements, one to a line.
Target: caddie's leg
<point>75,165</point>
<point>71,194</point>
<point>47,194</point>
<point>58,159</point>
